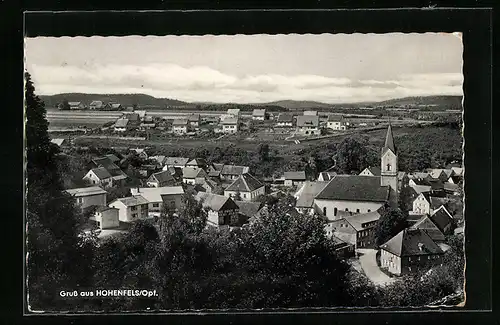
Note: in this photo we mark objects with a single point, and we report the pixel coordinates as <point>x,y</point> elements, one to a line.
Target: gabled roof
<point>425,223</point>
<point>285,118</point>
<point>442,218</point>
<point>140,113</point>
<point>110,166</point>
<point>96,103</point>
<point>159,159</point>
<point>389,141</point>
<point>233,111</point>
<point>58,142</point>
<point>180,122</point>
<point>259,112</point>
<point>230,120</point>
<point>176,161</point>
<point>411,242</point>
<point>245,183</point>
<point>194,117</point>
<point>121,123</point>
<point>101,173</point>
<point>418,175</point>
<point>249,209</point>
<point>307,120</point>
<point>358,220</point>
<point>421,188</point>
<point>198,162</point>
<point>215,202</point>
<point>134,117</point>
<point>451,187</point>
<point>458,171</point>
<point>154,194</point>
<point>306,194</point>
<point>327,175</point>
<point>163,176</point>
<point>375,171</point>
<point>295,176</point>
<point>437,172</point>
<point>335,118</point>
<point>112,157</point>
<point>86,191</point>
<point>355,188</point>
<point>217,166</point>
<point>234,170</point>
<point>115,105</point>
<point>132,200</point>
<point>190,172</point>
<point>74,103</point>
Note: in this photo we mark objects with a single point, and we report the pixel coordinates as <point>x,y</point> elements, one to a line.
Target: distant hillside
<point>124,99</point>
<point>452,101</point>
<point>297,105</point>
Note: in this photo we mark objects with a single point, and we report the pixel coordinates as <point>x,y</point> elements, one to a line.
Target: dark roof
<point>234,170</point>
<point>259,112</point>
<point>215,202</point>
<point>408,242</point>
<point>249,209</point>
<point>112,157</point>
<point>176,161</point>
<point>134,117</point>
<point>307,120</point>
<point>122,122</point>
<point>425,223</point>
<point>191,172</point>
<point>355,188</point>
<point>103,208</point>
<point>296,176</point>
<point>374,170</point>
<point>389,140</point>
<point>441,218</point>
<point>163,176</point>
<point>285,118</point>
<point>335,118</point>
<point>101,173</point>
<point>245,183</point>
<point>199,162</point>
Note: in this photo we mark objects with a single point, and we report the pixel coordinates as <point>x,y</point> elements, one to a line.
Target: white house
<point>424,203</point>
<point>370,171</point>
<point>76,105</point>
<point>158,197</point>
<point>230,125</point>
<point>106,217</point>
<point>336,122</point>
<point>259,114</point>
<point>131,208</point>
<point>180,126</point>
<point>99,176</point>
<point>308,125</point>
<point>294,178</point>
<point>190,174</point>
<point>88,196</point>
<point>247,186</point>
<point>121,125</point>
<point>160,179</point>
<point>284,120</point>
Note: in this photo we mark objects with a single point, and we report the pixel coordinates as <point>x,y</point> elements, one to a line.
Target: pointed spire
<point>389,140</point>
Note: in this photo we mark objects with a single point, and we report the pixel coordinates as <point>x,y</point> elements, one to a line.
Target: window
<point>357,210</point>
<point>134,208</point>
<point>346,209</point>
<point>369,210</point>
<point>334,211</point>
<point>156,205</point>
<point>134,215</point>
<point>244,196</point>
<point>79,200</point>
<point>324,211</point>
<point>389,167</point>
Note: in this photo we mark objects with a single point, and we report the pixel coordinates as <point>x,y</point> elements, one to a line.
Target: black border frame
<point>476,25</point>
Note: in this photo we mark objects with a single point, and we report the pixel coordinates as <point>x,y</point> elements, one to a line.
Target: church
<point>356,194</point>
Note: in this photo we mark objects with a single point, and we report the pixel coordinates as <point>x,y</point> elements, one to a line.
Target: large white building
<point>247,186</point>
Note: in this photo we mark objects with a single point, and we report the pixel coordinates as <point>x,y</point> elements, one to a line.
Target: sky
<point>329,68</point>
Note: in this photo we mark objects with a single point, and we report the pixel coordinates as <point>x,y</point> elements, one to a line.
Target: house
<point>222,210</point>
<point>96,104</point>
<point>230,125</point>
<point>310,113</point>
<point>357,230</point>
<point>59,142</point>
<point>370,171</point>
<point>294,178</point>
<point>235,112</point>
<point>247,186</point>
<point>194,121</point>
<point>177,162</point>
<point>427,204</point>
<point>249,209</point>
<point>189,175</point>
<point>308,125</point>
<point>76,105</point>
<point>148,123</point>
<point>326,176</point>
<point>426,224</point>
<point>88,196</point>
<point>122,125</point>
<point>306,194</point>
<point>232,172</point>
<point>106,217</point>
<point>205,184</point>
<point>197,163</point>
<point>160,160</point>
<point>441,174</point>
<point>180,126</point>
<point>453,189</point>
<point>133,118</point>
<point>336,122</point>
<point>160,179</point>
<point>458,171</point>
<point>361,194</point>
<point>411,250</point>
<point>159,197</point>
<point>118,176</point>
<point>140,152</point>
<point>114,106</point>
<point>141,114</point>
<point>284,120</point>
<point>259,114</point>
<point>443,220</point>
<point>99,176</point>
<point>131,208</point>
<point>343,250</point>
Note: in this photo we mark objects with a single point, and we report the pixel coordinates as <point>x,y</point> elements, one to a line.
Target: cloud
<point>201,83</point>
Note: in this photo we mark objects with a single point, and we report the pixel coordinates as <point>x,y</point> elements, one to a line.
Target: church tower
<point>389,166</point>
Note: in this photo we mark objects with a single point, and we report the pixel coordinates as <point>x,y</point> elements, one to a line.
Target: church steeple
<point>389,166</point>
<point>389,140</point>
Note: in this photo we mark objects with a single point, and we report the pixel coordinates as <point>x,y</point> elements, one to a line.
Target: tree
<point>391,222</point>
<point>65,105</point>
<point>351,156</point>
<point>264,152</point>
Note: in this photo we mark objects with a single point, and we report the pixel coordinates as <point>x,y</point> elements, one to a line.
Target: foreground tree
<point>351,156</point>
<point>391,222</point>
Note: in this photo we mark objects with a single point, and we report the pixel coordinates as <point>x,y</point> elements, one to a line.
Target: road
<point>369,265</point>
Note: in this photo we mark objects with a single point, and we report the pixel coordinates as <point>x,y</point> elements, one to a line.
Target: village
<point>234,197</point>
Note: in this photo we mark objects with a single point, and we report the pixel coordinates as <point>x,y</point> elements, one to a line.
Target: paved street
<point>368,262</point>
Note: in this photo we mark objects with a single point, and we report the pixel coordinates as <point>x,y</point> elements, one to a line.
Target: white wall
<point>421,206</point>
<point>108,219</point>
<point>390,261</point>
<point>352,206</point>
<point>98,199</point>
